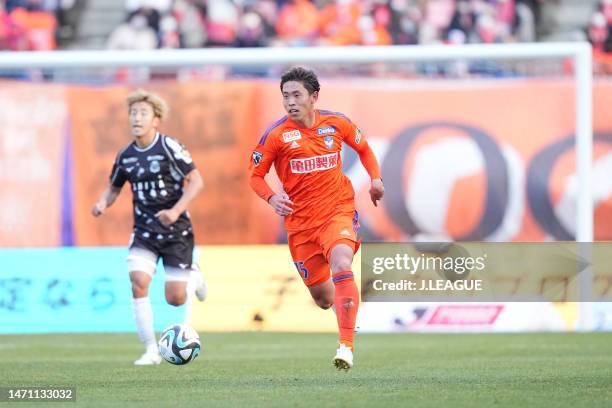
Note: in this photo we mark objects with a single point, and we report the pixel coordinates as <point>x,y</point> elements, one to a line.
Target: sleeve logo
<point>179,150</point>
<point>257,156</point>
<point>357,136</point>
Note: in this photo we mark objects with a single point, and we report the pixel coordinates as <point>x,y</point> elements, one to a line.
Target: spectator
<point>374,28</point>
<point>191,23</point>
<point>6,28</point>
<point>251,31</point>
<point>297,22</point>
<point>169,36</point>
<point>221,23</point>
<point>37,25</point>
<point>152,16</point>
<point>463,20</point>
<point>161,6</point>
<point>134,34</point>
<point>406,23</point>
<point>250,23</point>
<point>525,27</point>
<point>268,12</point>
<point>339,23</point>
<point>487,30</point>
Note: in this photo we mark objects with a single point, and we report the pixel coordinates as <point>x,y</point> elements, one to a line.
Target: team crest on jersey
<point>357,136</point>
<point>329,130</point>
<point>291,136</point>
<point>329,141</point>
<point>257,156</point>
<point>154,167</point>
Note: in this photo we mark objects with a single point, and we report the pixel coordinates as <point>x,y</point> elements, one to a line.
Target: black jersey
<point>156,174</point>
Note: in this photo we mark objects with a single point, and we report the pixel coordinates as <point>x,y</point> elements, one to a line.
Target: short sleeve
<point>118,176</point>
<point>180,155</point>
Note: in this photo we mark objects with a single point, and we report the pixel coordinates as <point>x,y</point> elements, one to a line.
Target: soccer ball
<point>179,344</point>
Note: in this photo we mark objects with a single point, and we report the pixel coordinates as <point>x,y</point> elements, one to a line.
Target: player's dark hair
<point>307,77</point>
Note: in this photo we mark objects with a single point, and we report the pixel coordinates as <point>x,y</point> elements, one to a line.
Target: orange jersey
<point>309,165</point>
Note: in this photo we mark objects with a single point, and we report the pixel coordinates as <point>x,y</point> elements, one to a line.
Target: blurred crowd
<point>600,35</point>
<point>32,24</point>
<point>264,23</point>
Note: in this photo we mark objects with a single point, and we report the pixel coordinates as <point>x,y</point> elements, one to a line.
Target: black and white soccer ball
<point>179,344</point>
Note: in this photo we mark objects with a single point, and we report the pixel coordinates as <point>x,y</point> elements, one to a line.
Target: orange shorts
<point>311,248</point>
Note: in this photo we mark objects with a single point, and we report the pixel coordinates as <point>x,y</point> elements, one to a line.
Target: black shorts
<point>176,252</point>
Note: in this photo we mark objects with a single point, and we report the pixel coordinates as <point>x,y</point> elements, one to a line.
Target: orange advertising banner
<point>33,120</point>
<point>477,160</point>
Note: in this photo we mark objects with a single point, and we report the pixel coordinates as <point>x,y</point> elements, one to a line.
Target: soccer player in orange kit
<point>317,201</point>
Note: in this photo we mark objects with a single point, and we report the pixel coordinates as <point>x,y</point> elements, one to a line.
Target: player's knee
<point>174,299</point>
<point>140,284</point>
<point>342,263</point>
<point>139,289</point>
<point>324,302</point>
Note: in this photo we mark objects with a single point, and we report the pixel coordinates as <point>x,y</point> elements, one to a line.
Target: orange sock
<point>346,301</point>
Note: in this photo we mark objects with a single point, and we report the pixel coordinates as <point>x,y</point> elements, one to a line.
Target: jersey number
<point>300,267</point>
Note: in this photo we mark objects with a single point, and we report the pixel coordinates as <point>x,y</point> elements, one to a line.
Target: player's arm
<point>355,139</point>
<point>261,160</point>
<point>107,198</point>
<point>110,194</point>
<point>193,186</point>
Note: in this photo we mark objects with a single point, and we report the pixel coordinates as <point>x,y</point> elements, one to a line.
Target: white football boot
<point>344,358</point>
<point>150,357</point>
<point>198,282</point>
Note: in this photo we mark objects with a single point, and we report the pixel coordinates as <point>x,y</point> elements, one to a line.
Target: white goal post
<point>579,52</point>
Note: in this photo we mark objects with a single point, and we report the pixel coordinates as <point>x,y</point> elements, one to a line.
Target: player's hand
<point>98,209</point>
<point>167,217</point>
<point>377,191</point>
<point>281,204</point>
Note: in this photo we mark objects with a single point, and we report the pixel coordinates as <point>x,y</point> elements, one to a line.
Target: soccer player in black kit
<point>164,181</point>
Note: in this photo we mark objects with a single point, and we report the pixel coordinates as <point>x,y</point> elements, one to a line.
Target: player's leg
<point>176,290</point>
<point>182,276</point>
<point>340,242</point>
<point>141,265</point>
<point>346,301</point>
<point>323,293</point>
<point>312,267</point>
<point>346,294</point>
<point>197,284</point>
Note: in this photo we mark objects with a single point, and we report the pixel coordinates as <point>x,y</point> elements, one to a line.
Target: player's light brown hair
<point>307,77</point>
<point>160,107</point>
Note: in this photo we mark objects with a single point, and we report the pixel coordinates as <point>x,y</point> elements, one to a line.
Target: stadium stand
<point>150,24</point>
<point>37,25</point>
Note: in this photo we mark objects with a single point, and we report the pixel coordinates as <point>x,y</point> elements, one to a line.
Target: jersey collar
<point>138,149</point>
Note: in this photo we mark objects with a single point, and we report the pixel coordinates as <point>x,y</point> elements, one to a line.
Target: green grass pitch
<point>295,370</point>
